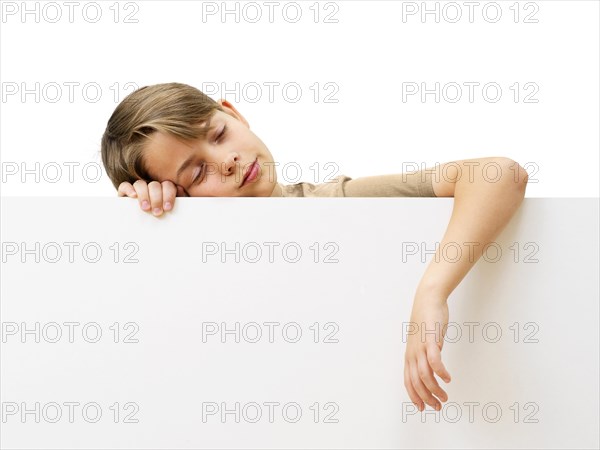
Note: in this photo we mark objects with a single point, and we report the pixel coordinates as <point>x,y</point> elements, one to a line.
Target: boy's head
<point>175,132</point>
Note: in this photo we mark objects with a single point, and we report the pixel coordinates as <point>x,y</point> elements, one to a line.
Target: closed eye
<point>198,178</point>
<point>222,133</point>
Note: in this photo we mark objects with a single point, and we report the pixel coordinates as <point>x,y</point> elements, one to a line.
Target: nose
<point>230,163</point>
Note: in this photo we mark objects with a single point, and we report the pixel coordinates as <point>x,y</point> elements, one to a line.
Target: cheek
<point>212,186</point>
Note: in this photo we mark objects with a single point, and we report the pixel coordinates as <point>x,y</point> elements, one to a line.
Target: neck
<point>277,192</point>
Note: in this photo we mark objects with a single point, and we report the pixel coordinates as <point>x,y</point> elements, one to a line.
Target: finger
<point>169,191</point>
<point>411,391</point>
<point>420,387</point>
<point>434,357</point>
<point>156,197</point>
<point>126,189</point>
<point>429,380</point>
<point>141,188</point>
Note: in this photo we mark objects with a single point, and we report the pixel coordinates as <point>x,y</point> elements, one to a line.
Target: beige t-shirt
<point>413,184</point>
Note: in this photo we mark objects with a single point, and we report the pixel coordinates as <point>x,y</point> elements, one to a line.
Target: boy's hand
<point>429,320</point>
<point>153,197</point>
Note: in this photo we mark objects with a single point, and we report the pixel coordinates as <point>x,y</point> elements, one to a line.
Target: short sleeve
<point>332,188</point>
<point>412,184</point>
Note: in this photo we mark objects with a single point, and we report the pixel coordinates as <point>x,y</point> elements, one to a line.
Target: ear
<point>232,111</point>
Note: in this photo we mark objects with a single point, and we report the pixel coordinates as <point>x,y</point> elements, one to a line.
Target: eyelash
<point>199,177</point>
<point>222,133</point>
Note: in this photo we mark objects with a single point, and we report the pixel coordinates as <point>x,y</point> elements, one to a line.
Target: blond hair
<point>173,108</point>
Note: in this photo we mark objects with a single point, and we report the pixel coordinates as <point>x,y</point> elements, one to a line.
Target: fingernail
<point>145,205</point>
<point>156,211</point>
<point>167,206</point>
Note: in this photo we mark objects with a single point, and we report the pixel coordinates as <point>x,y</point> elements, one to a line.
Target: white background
<point>368,55</point>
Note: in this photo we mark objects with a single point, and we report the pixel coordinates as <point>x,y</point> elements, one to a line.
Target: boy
<point>171,140</point>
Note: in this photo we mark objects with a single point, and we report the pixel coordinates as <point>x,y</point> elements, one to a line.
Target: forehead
<point>161,142</point>
<point>164,153</point>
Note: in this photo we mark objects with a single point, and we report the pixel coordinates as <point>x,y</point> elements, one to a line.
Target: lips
<point>248,172</point>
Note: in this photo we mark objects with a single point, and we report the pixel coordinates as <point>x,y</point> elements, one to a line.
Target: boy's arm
<point>486,195</point>
<point>487,192</point>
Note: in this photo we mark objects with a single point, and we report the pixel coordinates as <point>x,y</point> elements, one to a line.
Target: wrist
<point>429,293</point>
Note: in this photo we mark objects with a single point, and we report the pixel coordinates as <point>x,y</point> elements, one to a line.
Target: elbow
<point>514,175</point>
